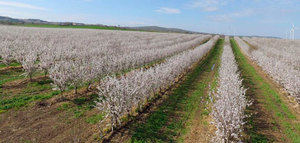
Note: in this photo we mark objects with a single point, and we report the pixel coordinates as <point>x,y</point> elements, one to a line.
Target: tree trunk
<point>75,89</point>
<point>88,87</point>
<point>30,77</point>
<point>45,73</point>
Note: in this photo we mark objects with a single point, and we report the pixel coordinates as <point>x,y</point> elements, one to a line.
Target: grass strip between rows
<point>260,88</point>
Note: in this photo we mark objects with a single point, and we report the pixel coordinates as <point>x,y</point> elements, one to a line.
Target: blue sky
<point>245,17</point>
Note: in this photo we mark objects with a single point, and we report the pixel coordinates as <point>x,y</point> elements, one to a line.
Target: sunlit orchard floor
<point>30,111</point>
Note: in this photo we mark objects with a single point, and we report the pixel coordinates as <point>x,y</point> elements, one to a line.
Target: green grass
<point>13,64</point>
<point>94,119</point>
<point>203,107</point>
<point>21,96</point>
<point>165,123</point>
<point>77,107</point>
<point>10,76</point>
<point>84,104</point>
<point>22,100</point>
<point>271,99</point>
<point>64,106</point>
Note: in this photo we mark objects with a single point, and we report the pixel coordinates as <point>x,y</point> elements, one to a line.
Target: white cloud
<point>207,5</point>
<point>231,16</point>
<point>167,10</point>
<point>221,18</point>
<point>21,5</point>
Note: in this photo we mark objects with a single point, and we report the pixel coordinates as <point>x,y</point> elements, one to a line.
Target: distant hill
<point>4,19</point>
<point>263,36</point>
<point>15,21</point>
<point>9,20</point>
<point>160,29</point>
<point>255,36</point>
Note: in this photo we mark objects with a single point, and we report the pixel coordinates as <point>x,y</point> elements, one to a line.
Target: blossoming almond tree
<point>278,58</point>
<point>229,99</point>
<point>119,95</point>
<point>29,63</point>
<point>90,54</point>
<point>6,52</point>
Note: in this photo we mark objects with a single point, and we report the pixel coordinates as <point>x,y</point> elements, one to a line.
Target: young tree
<point>29,63</point>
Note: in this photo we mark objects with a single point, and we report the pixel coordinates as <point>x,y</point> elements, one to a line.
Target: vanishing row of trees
<point>131,91</point>
<point>279,58</point>
<point>229,101</point>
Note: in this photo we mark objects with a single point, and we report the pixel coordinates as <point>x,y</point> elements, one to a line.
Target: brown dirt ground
<point>200,129</point>
<point>45,124</point>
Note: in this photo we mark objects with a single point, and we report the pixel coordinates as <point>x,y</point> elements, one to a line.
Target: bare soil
<point>23,82</point>
<point>200,129</point>
<point>45,124</point>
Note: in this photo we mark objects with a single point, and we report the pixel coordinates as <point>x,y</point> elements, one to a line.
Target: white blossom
<point>122,94</point>
<point>229,99</point>
<point>77,56</point>
<point>277,57</point>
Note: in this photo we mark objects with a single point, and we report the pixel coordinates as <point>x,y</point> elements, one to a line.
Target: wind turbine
<point>292,32</point>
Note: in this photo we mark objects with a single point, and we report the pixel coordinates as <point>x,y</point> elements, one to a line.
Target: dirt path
<point>271,118</point>
<point>199,128</point>
<point>46,124</point>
